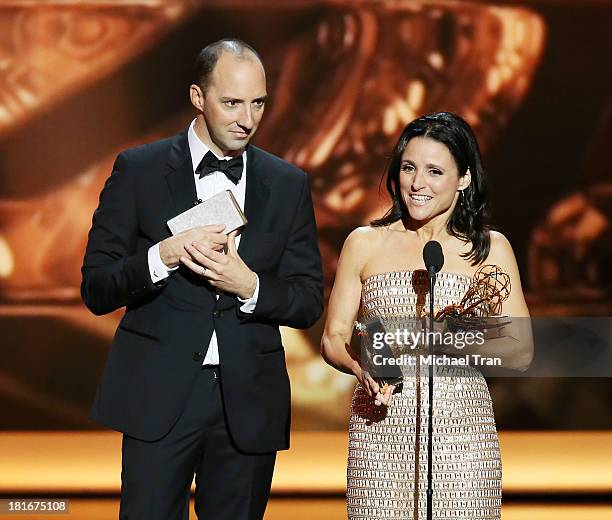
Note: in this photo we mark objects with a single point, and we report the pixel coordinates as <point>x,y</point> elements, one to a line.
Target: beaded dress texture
<point>384,480</point>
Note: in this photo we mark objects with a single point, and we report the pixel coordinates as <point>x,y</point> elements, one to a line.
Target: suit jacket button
<point>216,313</point>
<point>198,356</point>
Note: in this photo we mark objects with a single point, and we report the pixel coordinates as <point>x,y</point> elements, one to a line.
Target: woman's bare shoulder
<point>502,254</point>
<point>361,244</point>
<point>500,247</point>
<point>365,236</point>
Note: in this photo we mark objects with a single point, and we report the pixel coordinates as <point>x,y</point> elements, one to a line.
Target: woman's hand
<point>382,396</point>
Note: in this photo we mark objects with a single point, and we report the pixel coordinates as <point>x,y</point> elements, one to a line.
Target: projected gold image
<point>80,81</point>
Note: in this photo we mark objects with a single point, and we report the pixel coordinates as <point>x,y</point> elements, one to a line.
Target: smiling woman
<point>437,186</point>
<point>429,181</point>
<point>436,178</point>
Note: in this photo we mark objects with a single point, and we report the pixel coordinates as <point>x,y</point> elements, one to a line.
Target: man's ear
<point>197,97</point>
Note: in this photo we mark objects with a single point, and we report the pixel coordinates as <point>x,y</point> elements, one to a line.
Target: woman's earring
<point>462,197</point>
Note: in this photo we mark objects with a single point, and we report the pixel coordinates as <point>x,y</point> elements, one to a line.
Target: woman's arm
<point>515,346</point>
<point>343,307</point>
<point>342,311</point>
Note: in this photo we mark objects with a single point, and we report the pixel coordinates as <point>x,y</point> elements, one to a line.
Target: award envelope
<point>221,208</point>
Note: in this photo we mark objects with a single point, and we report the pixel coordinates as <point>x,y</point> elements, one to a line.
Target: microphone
<point>434,260</point>
<point>433,257</point>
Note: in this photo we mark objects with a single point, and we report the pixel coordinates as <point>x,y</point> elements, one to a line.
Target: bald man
<point>196,377</point>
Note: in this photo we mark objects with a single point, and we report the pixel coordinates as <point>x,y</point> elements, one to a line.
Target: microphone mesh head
<point>433,256</point>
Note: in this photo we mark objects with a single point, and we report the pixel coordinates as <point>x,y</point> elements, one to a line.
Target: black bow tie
<point>232,168</point>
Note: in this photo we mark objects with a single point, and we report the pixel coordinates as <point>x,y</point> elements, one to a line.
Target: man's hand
<point>226,272</point>
<point>173,248</point>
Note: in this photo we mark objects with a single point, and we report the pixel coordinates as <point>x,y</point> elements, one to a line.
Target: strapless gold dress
<point>387,463</point>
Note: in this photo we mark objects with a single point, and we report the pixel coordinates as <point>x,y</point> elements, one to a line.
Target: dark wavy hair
<point>470,219</point>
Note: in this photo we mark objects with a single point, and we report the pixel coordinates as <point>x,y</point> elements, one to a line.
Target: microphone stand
<point>432,282</point>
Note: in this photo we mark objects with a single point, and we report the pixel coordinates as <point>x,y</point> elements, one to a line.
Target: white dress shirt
<point>206,187</point>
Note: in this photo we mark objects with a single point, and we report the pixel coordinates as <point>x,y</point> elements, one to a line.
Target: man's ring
<point>203,271</point>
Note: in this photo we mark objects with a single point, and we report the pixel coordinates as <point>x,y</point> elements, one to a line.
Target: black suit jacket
<point>159,345</point>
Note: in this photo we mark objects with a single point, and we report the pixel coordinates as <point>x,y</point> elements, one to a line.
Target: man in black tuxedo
<point>196,377</point>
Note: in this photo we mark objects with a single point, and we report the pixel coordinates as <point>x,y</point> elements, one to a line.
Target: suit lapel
<point>255,201</point>
<point>181,185</point>
<point>180,175</point>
